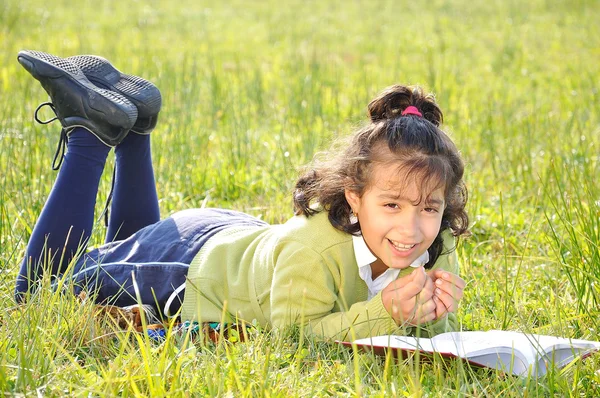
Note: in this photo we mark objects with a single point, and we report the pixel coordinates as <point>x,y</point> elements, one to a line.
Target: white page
<point>400,342</point>
<point>530,349</point>
<point>493,348</point>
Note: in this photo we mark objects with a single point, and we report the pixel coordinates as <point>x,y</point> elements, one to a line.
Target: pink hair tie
<point>411,110</point>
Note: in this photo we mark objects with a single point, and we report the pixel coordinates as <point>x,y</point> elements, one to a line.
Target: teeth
<point>401,246</point>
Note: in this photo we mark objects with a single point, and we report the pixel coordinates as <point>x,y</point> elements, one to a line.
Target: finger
<point>396,308</point>
<point>426,314</point>
<point>449,288</point>
<point>401,282</point>
<point>410,291</point>
<point>419,276</point>
<point>428,289</point>
<point>427,318</point>
<point>426,308</point>
<point>440,310</point>
<point>424,296</point>
<point>450,277</point>
<point>449,302</point>
<point>433,274</point>
<point>422,320</point>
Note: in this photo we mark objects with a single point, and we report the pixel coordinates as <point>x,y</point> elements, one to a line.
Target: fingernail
<point>438,291</point>
<point>446,276</point>
<point>438,282</point>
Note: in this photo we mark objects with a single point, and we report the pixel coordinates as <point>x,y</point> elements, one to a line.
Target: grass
<point>251,91</point>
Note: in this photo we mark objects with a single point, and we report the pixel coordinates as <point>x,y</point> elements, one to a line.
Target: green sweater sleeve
<point>312,290</point>
<point>306,291</point>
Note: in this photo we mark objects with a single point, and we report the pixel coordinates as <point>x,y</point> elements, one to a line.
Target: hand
<point>448,291</point>
<point>410,299</point>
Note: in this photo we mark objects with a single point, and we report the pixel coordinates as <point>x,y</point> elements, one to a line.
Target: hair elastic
<point>411,110</point>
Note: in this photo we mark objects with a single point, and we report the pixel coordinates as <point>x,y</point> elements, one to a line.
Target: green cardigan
<point>301,272</point>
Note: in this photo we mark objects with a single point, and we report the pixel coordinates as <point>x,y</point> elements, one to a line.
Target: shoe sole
<point>77,101</point>
<point>142,93</point>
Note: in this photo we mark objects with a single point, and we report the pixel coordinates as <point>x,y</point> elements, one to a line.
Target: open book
<point>512,352</point>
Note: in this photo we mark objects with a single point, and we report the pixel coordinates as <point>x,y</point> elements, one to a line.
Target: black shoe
<point>77,102</point>
<point>143,94</point>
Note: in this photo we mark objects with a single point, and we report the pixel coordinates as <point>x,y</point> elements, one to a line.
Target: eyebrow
<point>438,202</point>
<point>430,201</point>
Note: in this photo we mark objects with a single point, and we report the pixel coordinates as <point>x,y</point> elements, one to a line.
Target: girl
<point>351,263</point>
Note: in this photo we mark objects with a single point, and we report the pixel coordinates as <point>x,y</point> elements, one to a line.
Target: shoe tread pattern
<point>77,73</point>
<point>57,61</point>
<point>78,102</point>
<point>141,92</point>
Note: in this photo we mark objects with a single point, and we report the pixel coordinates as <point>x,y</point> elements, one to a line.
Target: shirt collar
<point>364,258</point>
<point>361,251</point>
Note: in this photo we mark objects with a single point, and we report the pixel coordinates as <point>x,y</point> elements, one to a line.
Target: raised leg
<point>65,223</point>
<point>135,202</point>
<point>93,120</point>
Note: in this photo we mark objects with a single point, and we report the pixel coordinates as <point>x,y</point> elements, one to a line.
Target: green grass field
<point>251,91</point>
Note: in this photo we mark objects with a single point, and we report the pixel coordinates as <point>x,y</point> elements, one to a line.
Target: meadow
<point>252,90</point>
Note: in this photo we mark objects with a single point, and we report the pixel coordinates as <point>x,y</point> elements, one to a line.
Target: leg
<point>157,255</point>
<point>93,120</point>
<point>113,283</point>
<point>65,224</point>
<point>135,202</point>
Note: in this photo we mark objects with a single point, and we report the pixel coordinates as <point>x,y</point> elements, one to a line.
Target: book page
<point>490,349</point>
<point>399,342</point>
<point>477,347</point>
<point>541,349</point>
<point>557,350</point>
<point>513,352</point>
<point>528,349</point>
<point>456,343</point>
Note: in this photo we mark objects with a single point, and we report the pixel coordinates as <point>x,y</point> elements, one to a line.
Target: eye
<point>431,210</point>
<point>392,205</point>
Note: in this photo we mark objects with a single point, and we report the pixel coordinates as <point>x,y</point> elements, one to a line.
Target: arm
<point>306,291</point>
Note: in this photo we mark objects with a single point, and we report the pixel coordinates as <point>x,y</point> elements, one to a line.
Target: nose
<point>408,225</point>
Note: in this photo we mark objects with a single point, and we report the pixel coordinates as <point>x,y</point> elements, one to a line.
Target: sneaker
<point>76,101</point>
<point>143,94</point>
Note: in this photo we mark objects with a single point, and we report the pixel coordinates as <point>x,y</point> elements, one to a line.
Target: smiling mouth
<point>400,246</point>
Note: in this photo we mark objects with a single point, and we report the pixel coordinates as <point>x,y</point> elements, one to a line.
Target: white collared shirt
<point>364,258</point>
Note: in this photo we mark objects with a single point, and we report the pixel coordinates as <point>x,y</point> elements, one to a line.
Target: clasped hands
<point>422,297</point>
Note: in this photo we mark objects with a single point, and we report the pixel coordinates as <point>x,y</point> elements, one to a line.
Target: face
<point>395,228</point>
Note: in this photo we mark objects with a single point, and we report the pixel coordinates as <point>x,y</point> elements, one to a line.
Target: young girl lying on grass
<point>371,249</point>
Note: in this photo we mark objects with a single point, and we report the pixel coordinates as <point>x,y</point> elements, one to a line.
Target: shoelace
<point>62,142</point>
<point>60,153</point>
<point>109,197</point>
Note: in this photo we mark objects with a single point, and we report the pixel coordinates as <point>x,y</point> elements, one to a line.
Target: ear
<point>353,200</point>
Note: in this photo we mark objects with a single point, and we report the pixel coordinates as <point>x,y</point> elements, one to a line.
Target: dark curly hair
<point>421,149</point>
